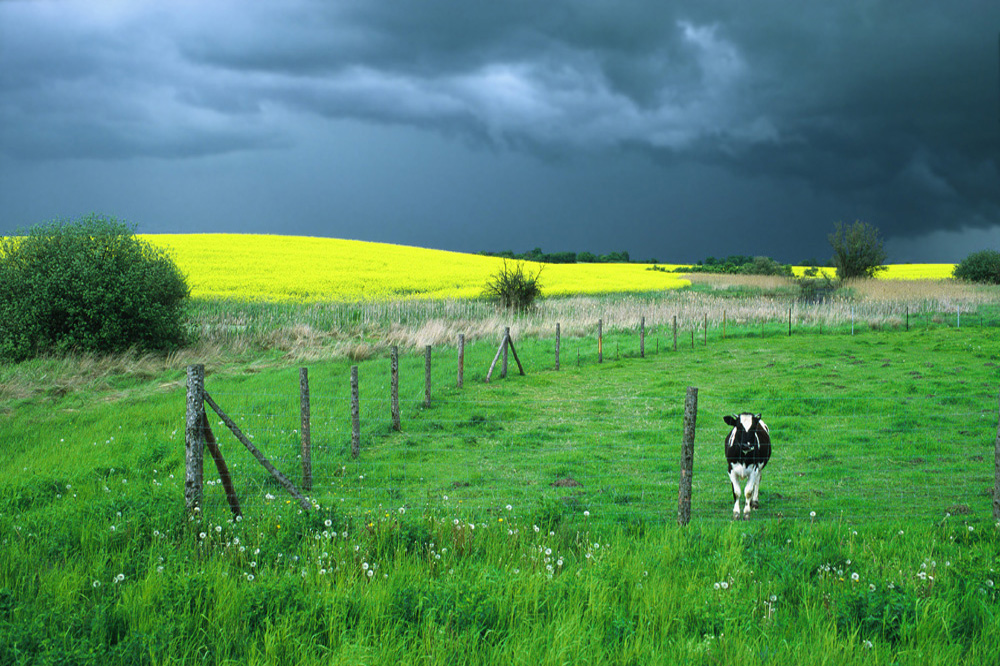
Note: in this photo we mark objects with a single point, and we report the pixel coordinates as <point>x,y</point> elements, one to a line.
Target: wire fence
<point>608,454</point>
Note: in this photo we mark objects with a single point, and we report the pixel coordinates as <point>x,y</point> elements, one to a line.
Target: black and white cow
<point>748,448</point>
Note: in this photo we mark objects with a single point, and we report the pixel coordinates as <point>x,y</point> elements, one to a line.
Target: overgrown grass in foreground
<point>102,576</point>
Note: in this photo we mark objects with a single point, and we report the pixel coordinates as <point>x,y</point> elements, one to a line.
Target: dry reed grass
<point>278,334</point>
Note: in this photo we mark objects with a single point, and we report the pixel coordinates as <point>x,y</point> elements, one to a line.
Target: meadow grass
<point>461,539</point>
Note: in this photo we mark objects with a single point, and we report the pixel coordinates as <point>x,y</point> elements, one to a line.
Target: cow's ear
<point>730,420</point>
<point>756,417</point>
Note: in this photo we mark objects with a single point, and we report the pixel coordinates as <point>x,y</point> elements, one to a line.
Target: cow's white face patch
<point>746,420</point>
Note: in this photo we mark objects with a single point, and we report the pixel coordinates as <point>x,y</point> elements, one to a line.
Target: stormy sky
<point>672,130</point>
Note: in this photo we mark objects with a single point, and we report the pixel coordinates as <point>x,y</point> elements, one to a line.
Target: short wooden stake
<point>687,457</point>
<point>642,337</point>
<point>394,387</point>
<point>675,332</point>
<point>304,432</point>
<point>600,341</point>
<point>355,414</point>
<point>557,345</point>
<point>461,359</point>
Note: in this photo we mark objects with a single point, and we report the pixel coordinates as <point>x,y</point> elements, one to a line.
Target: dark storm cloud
<point>887,108</point>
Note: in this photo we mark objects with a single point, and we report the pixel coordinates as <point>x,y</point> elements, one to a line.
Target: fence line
<point>607,461</point>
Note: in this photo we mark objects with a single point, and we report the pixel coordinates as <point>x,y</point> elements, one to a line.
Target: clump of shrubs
<point>88,285</point>
<point>983,266</point>
<point>513,288</point>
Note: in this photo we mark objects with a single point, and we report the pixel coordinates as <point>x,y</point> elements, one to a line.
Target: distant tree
<point>857,250</point>
<point>586,257</point>
<point>88,285</point>
<point>982,266</point>
<point>513,288</point>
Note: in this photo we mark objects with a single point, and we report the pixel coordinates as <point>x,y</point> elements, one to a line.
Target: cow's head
<point>745,429</point>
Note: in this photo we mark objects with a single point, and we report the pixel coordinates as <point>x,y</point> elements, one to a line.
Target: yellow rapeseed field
<point>306,269</point>
<point>295,268</point>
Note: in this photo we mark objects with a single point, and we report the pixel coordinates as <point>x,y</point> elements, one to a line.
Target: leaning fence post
<point>461,359</point>
<point>394,387</point>
<point>427,376</point>
<point>307,475</point>
<point>996,476</point>
<point>687,457</point>
<point>355,414</point>
<point>194,438</point>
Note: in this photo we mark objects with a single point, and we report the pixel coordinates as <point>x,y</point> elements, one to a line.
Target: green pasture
<point>528,520</point>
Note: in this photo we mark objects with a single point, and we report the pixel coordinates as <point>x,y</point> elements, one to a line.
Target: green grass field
<point>528,520</point>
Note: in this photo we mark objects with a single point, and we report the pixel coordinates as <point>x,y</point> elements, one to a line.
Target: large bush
<point>857,250</point>
<point>981,266</point>
<point>88,285</point>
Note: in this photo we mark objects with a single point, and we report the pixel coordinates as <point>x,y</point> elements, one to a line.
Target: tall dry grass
<point>229,332</point>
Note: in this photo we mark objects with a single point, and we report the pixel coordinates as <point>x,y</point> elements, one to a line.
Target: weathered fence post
<point>355,414</point>
<point>461,359</point>
<point>789,322</point>
<point>194,438</point>
<point>427,376</point>
<point>907,317</point>
<point>600,341</point>
<point>996,475</point>
<point>394,387</point>
<point>504,345</point>
<point>642,337</point>
<point>557,345</point>
<point>675,332</point>
<point>687,457</point>
<point>305,430</point>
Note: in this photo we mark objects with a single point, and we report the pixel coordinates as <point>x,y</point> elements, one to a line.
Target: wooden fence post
<point>394,387</point>
<point>600,341</point>
<point>503,346</point>
<point>355,414</point>
<point>789,322</point>
<point>687,457</point>
<point>461,359</point>
<point>642,337</point>
<point>194,438</point>
<point>557,345</point>
<point>996,476</point>
<point>675,332</point>
<point>427,376</point>
<point>305,430</point>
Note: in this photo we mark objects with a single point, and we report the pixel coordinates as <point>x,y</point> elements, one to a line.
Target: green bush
<point>981,266</point>
<point>512,288</point>
<point>88,285</point>
<point>857,250</point>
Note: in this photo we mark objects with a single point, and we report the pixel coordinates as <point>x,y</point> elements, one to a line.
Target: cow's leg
<point>736,494</point>
<point>756,476</point>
